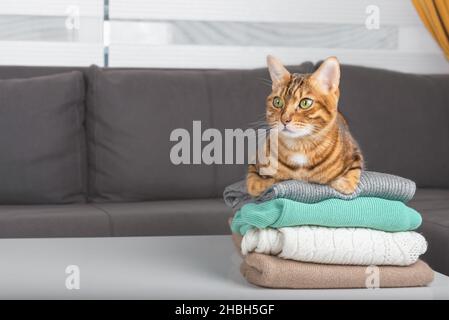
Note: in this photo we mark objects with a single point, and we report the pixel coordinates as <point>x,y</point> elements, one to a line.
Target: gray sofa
<point>85,151</point>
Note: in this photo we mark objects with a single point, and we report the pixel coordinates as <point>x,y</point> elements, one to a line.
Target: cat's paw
<point>256,187</point>
<point>347,184</point>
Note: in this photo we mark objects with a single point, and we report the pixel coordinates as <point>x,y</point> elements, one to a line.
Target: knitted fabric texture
<point>273,272</point>
<point>372,184</point>
<point>350,246</point>
<point>373,213</point>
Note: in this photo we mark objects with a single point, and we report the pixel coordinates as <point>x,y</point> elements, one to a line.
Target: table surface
<point>181,267</point>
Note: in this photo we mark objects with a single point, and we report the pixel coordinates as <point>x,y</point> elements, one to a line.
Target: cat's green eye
<point>305,103</point>
<point>277,102</point>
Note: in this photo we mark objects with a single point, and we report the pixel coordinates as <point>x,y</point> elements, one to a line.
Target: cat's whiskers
<point>259,125</point>
<point>266,81</point>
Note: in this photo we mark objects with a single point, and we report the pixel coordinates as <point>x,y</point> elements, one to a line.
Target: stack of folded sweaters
<point>303,235</point>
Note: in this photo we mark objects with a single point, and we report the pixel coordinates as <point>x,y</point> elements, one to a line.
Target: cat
<point>314,143</point>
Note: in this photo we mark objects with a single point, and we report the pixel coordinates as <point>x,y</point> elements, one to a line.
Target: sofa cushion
<point>24,72</point>
<point>168,218</point>
<point>153,218</point>
<point>401,122</point>
<point>433,204</point>
<point>131,114</point>
<point>42,140</point>
<point>47,221</point>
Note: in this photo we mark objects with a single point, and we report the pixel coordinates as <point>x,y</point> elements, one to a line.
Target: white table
<point>196,267</point>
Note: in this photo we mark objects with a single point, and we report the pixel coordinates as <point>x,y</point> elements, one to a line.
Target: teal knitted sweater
<point>363,212</point>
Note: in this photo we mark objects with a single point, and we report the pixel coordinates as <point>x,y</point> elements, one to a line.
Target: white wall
<point>35,32</point>
<point>239,34</point>
<point>217,33</point>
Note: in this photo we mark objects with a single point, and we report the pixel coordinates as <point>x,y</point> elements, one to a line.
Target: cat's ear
<point>327,76</point>
<point>278,73</point>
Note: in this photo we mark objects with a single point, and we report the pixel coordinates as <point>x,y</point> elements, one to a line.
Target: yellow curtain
<point>435,15</point>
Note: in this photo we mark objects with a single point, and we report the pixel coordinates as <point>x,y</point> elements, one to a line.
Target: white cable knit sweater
<point>350,246</point>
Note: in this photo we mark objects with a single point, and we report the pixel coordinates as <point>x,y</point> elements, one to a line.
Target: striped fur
<point>314,144</point>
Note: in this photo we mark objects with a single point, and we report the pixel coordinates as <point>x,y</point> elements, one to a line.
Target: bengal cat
<point>314,142</point>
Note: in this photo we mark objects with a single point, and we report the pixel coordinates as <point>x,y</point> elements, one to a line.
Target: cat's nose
<point>286,121</point>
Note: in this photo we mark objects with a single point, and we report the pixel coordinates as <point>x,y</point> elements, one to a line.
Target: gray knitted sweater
<point>372,184</point>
